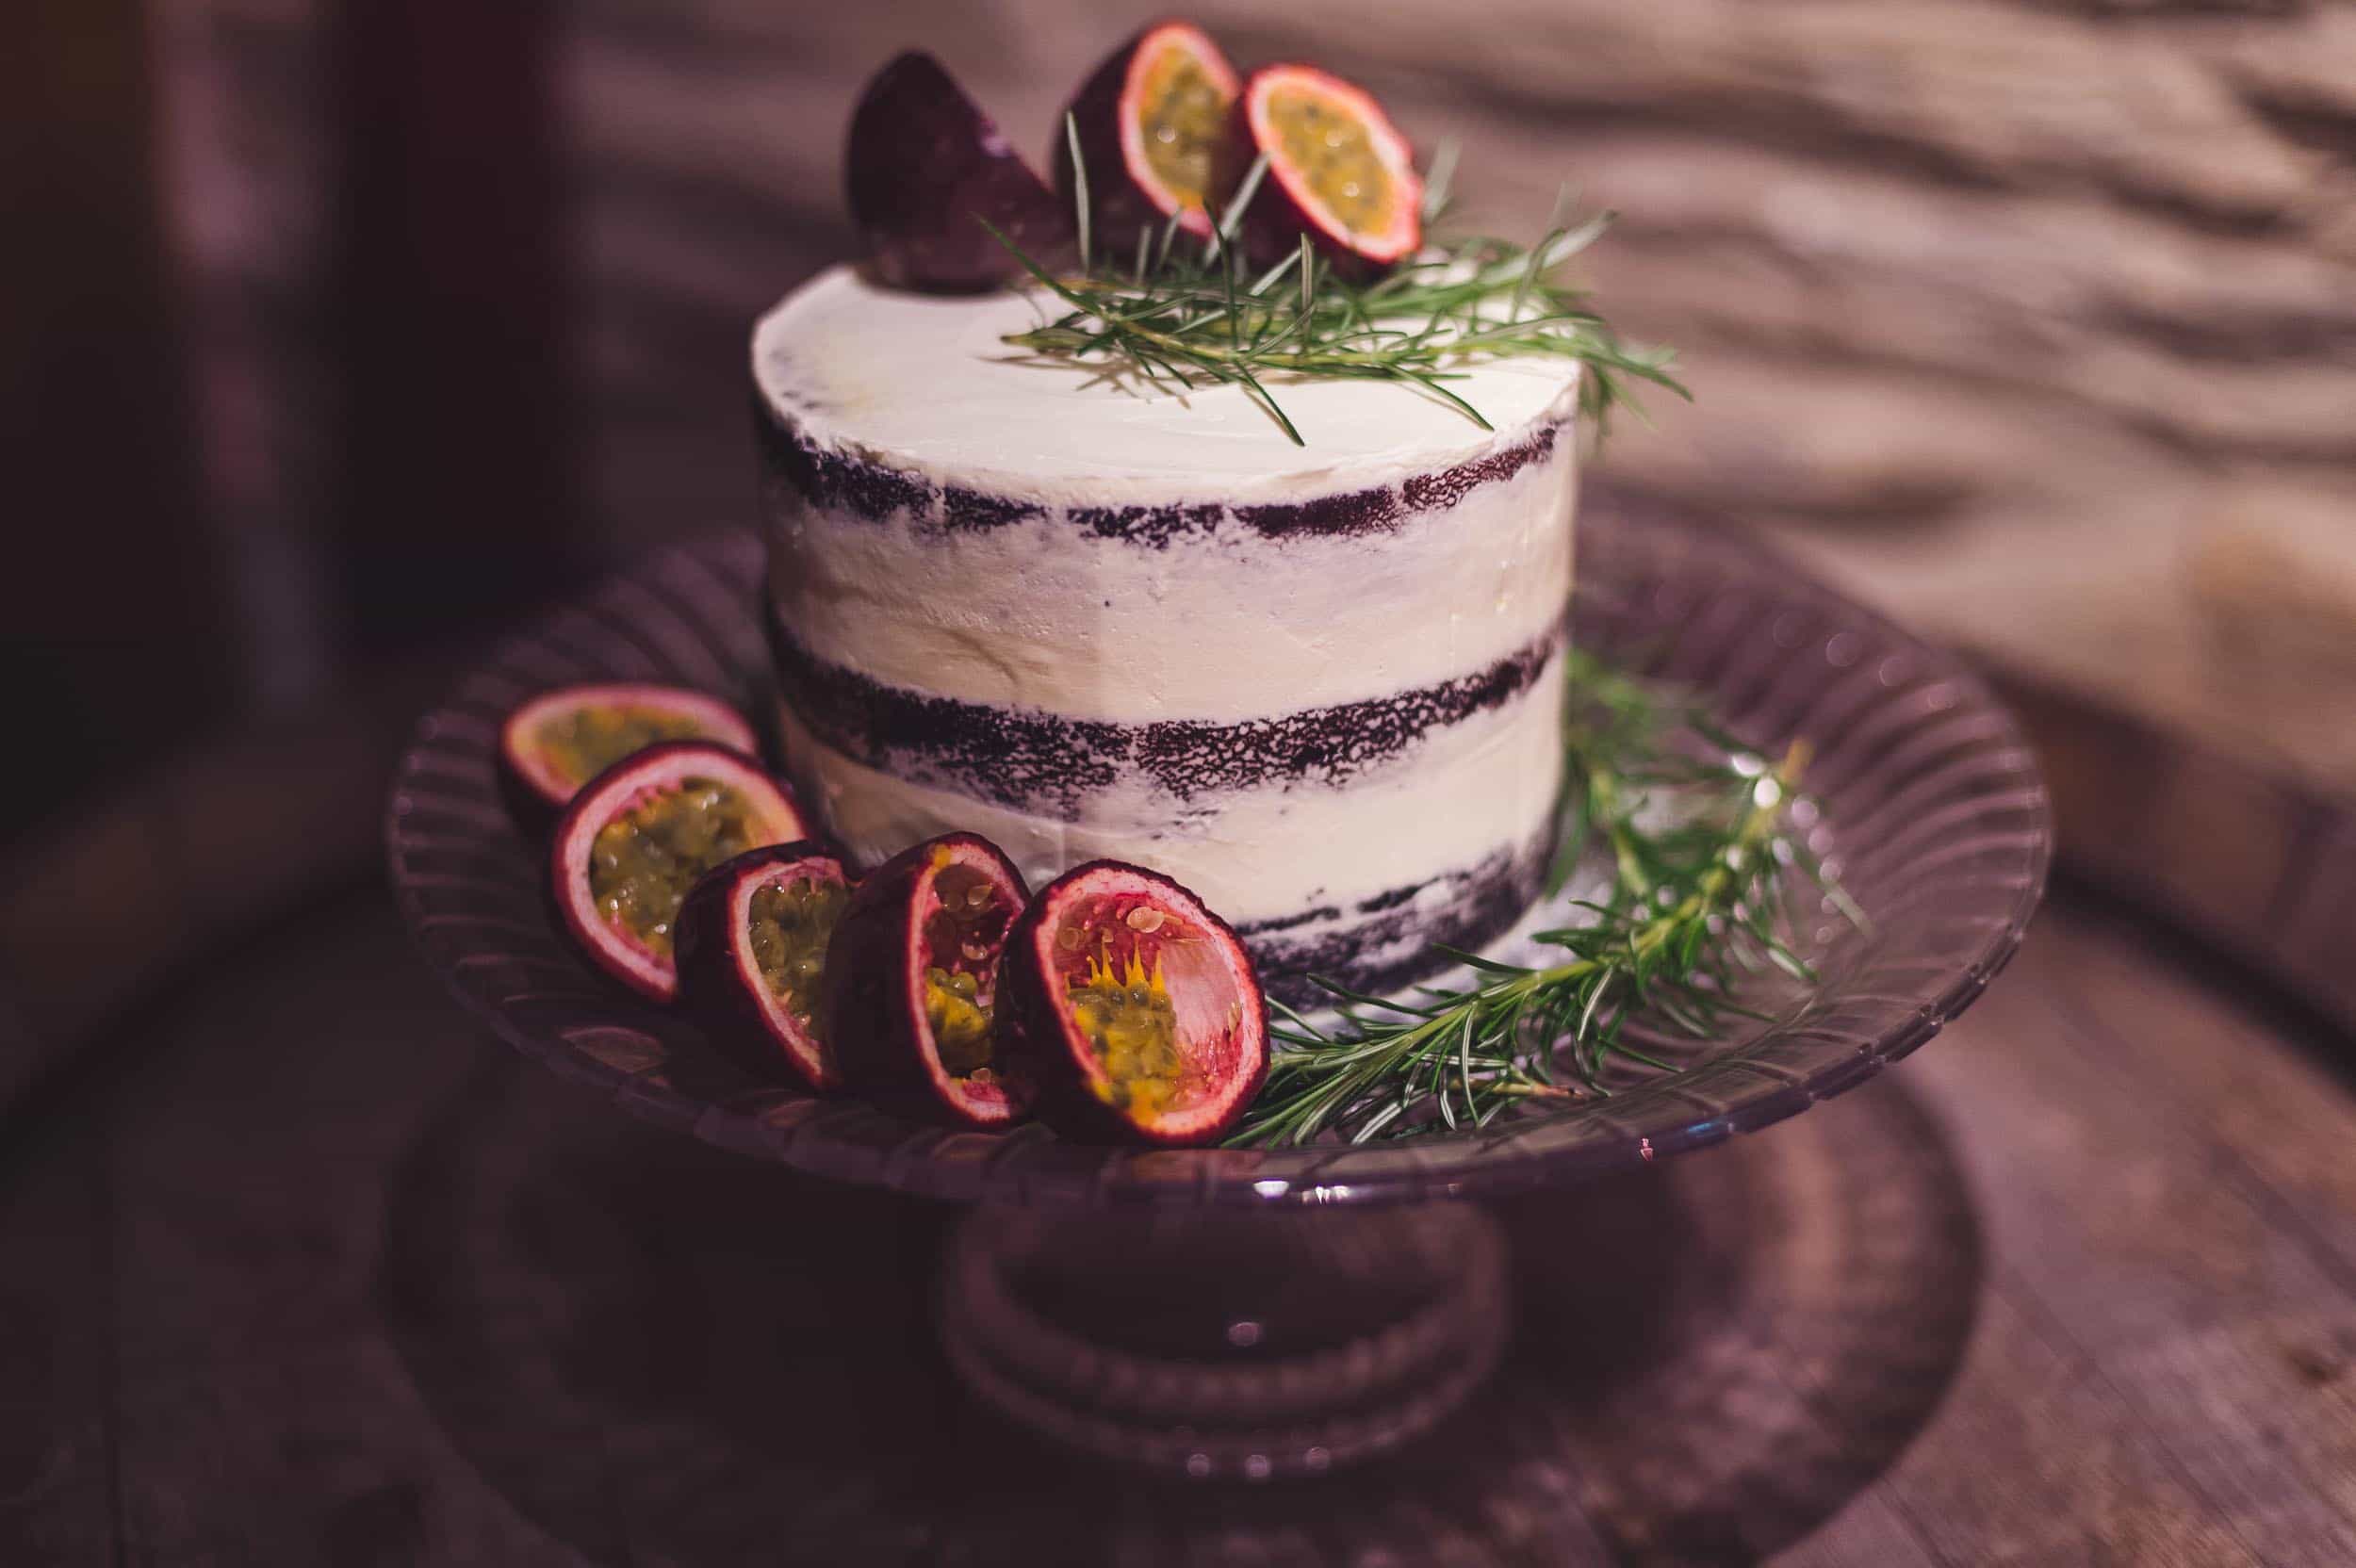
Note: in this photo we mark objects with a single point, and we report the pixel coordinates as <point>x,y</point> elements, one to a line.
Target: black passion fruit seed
<point>1130,1010</point>
<point>912,1007</point>
<point>790,926</point>
<point>645,858</point>
<point>634,842</point>
<point>959,1019</point>
<point>582,742</point>
<point>1154,123</point>
<point>1132,1023</point>
<point>1334,154</point>
<point>1338,172</point>
<point>754,940</point>
<point>1185,111</point>
<point>554,742</point>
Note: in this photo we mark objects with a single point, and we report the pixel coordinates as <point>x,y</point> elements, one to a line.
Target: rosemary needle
<point>1203,317</point>
<point>1693,906</point>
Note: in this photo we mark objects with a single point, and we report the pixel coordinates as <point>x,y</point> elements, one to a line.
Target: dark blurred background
<point>337,330</point>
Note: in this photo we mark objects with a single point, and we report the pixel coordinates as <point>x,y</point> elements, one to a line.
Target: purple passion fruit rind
<point>1339,171</point>
<point>555,743</point>
<point>912,983</point>
<point>1132,1010</point>
<point>922,164</point>
<point>1153,122</point>
<point>635,839</point>
<point>752,941</point>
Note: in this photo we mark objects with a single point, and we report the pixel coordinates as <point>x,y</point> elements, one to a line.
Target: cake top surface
<point>924,382</point>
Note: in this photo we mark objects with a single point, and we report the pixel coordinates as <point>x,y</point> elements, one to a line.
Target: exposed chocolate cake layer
<point>1387,942</point>
<point>843,484</point>
<point>1046,763</point>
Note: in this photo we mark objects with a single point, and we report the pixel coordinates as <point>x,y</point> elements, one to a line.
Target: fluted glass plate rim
<point>1926,772</point>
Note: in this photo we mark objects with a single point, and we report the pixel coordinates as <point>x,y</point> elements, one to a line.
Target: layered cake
<point>1319,684</point>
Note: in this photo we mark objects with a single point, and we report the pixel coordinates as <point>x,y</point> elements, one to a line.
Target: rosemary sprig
<point>1183,315</point>
<point>1698,852</point>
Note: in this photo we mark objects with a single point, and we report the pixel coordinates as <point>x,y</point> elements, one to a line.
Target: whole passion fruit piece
<point>1153,124</point>
<point>1337,170</point>
<point>923,165</point>
<point>558,741</point>
<point>752,940</point>
<point>1131,1009</point>
<point>636,838</point>
<point>911,997</point>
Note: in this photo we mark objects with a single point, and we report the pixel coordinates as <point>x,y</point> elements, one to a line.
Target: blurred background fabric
<point>348,325</point>
<point>2034,321</point>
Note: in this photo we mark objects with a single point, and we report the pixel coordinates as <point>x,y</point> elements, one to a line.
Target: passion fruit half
<point>636,838</point>
<point>1337,170</point>
<point>922,164</point>
<point>752,940</point>
<point>1153,124</point>
<point>1131,1009</point>
<point>911,996</point>
<point>558,741</point>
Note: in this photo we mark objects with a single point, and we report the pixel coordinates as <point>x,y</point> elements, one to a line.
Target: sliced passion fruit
<point>1131,1009</point>
<point>637,837</point>
<point>1339,171</point>
<point>752,940</point>
<point>1153,123</point>
<point>558,741</point>
<point>912,983</point>
<point>921,165</point>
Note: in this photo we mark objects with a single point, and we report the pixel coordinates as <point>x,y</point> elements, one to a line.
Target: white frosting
<point>1216,622</point>
<point>925,383</point>
<point>1255,854</point>
<point>1228,625</point>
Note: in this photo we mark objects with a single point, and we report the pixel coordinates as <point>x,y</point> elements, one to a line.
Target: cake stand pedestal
<point>1244,1346</point>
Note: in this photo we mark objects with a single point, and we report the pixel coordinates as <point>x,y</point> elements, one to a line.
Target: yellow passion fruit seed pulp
<point>1333,153</point>
<point>582,742</point>
<point>1128,1017</point>
<point>1184,110</point>
<point>790,924</point>
<point>643,861</point>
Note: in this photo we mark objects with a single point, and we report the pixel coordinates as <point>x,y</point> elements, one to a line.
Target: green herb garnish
<point>1186,314</point>
<point>1701,864</point>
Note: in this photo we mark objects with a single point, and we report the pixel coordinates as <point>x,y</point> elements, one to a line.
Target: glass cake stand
<point>1251,1313</point>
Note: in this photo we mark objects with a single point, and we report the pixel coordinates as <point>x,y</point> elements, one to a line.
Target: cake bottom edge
<point>1394,940</point>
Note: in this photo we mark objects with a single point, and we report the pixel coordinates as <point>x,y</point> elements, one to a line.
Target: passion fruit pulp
<point>636,838</point>
<point>552,745</point>
<point>911,996</point>
<point>924,166</point>
<point>1131,1009</point>
<point>752,940</point>
<point>1338,171</point>
<point>1153,122</point>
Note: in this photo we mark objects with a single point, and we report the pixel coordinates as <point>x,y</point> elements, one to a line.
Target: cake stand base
<point>1243,1346</point>
<point>665,1352</point>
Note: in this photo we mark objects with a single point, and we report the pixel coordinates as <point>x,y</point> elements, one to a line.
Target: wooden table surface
<point>303,1269</point>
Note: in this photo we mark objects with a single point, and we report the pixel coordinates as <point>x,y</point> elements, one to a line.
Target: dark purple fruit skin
<point>533,812</point>
<point>921,162</point>
<point>1117,206</point>
<point>1272,223</point>
<point>1034,1044</point>
<point>876,1033</point>
<point>711,988</point>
